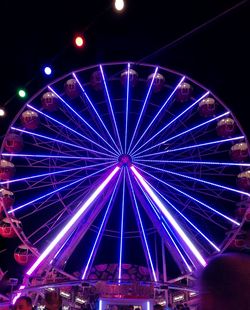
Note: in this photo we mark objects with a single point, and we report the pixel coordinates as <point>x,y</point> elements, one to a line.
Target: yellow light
<point>119,5</point>
<point>2,112</point>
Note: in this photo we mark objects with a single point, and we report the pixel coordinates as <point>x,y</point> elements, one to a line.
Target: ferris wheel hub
<point>125,160</point>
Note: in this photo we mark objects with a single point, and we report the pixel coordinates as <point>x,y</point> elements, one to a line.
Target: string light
<point>119,5</point>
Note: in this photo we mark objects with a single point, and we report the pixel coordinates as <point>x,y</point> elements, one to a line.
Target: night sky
<point>34,33</point>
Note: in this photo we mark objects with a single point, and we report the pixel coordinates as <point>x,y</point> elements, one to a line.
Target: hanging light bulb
<point>119,5</point>
<point>2,112</point>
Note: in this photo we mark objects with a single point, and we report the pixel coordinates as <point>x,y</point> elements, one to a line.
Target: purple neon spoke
<point>163,106</point>
<point>127,102</point>
<point>71,129</point>
<point>84,121</point>
<point>60,141</point>
<point>199,180</point>
<point>48,156</point>
<point>186,219</point>
<point>96,112</point>
<point>183,132</point>
<point>72,221</point>
<point>57,190</point>
<point>191,197</point>
<point>193,162</point>
<point>172,121</point>
<point>52,173</point>
<point>191,147</point>
<point>143,107</point>
<point>170,218</point>
<point>163,222</point>
<point>122,228</point>
<point>111,107</point>
<point>101,229</point>
<point>142,228</point>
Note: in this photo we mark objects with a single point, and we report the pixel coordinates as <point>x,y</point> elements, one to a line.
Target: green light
<point>22,93</point>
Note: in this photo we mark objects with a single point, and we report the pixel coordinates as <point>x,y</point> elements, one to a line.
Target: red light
<point>79,41</point>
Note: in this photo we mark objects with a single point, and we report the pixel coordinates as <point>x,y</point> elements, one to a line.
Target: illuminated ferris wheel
<point>111,162</point>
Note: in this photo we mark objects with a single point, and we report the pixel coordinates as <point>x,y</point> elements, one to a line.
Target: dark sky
<point>37,32</point>
<point>34,33</point>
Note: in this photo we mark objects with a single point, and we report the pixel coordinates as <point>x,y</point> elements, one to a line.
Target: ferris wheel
<point>107,162</point>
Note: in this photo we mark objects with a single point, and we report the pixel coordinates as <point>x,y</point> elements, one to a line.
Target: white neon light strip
<point>72,221</point>
<point>170,218</point>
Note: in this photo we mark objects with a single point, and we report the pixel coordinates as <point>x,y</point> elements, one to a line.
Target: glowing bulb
<point>2,112</point>
<point>22,93</point>
<point>47,70</point>
<point>79,41</point>
<point>119,5</point>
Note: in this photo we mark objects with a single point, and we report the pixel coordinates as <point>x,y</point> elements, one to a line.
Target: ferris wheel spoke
<point>191,197</point>
<point>101,230</point>
<point>51,225</point>
<point>58,141</point>
<point>97,114</point>
<point>126,112</point>
<point>111,108</point>
<point>121,228</point>
<point>182,133</point>
<point>179,247</point>
<point>143,108</point>
<point>171,122</point>
<point>142,230</point>
<point>192,146</point>
<point>193,162</point>
<point>57,190</point>
<point>76,113</point>
<point>198,180</point>
<point>170,218</point>
<point>187,220</point>
<point>71,129</point>
<point>72,222</point>
<point>155,117</point>
<point>51,173</point>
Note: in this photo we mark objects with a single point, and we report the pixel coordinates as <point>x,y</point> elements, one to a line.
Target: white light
<point>178,298</point>
<point>100,304</point>
<point>64,294</point>
<point>2,112</point>
<point>47,70</point>
<point>119,5</point>
<point>80,301</point>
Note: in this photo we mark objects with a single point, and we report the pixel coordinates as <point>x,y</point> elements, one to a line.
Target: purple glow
<point>111,107</point>
<point>69,128</point>
<point>172,121</point>
<point>184,132</point>
<point>195,227</point>
<point>193,162</point>
<point>199,180</point>
<point>170,218</point>
<point>60,141</point>
<point>72,221</point>
<point>84,121</point>
<point>205,144</point>
<point>122,228</point>
<point>191,197</point>
<point>48,156</point>
<point>18,294</point>
<point>127,101</point>
<point>97,114</point>
<point>56,190</point>
<point>51,173</point>
<point>171,95</point>
<point>164,226</point>
<point>142,230</point>
<point>143,107</point>
<point>191,146</point>
<point>100,230</point>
